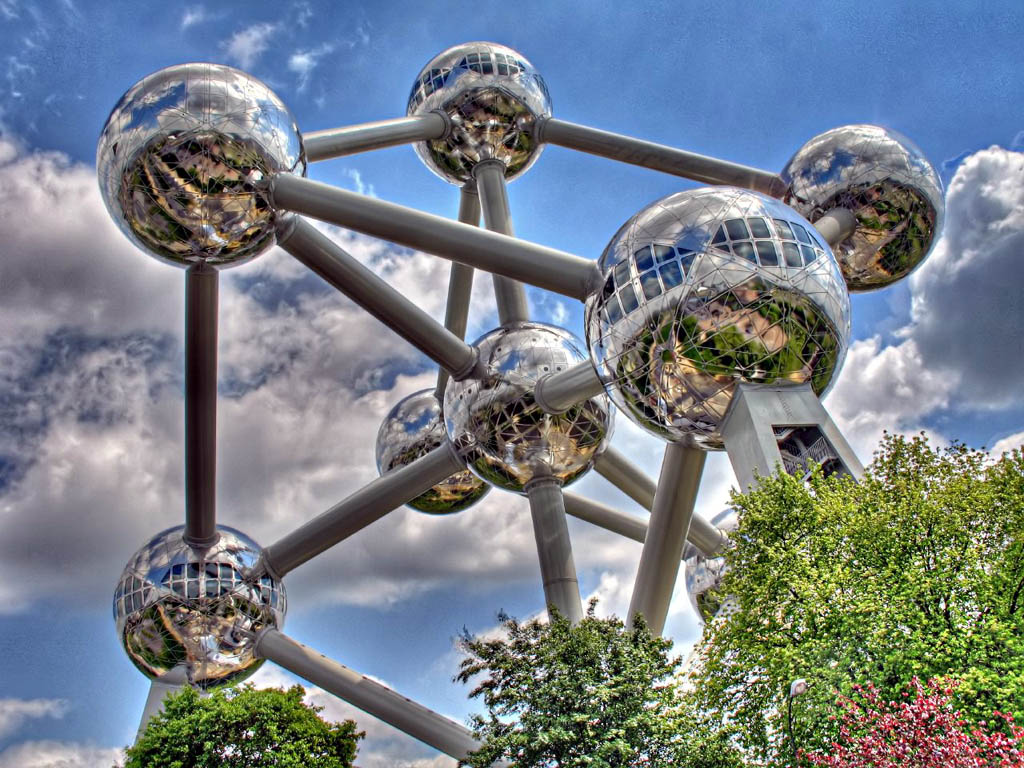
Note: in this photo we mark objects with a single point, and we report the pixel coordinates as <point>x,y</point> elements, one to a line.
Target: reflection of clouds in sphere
<point>706,288</point>
<point>890,187</point>
<point>704,575</point>
<point>181,159</point>
<point>507,439</point>
<point>413,429</point>
<point>492,96</point>
<point>175,606</point>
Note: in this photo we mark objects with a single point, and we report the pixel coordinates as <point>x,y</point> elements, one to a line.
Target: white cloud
<point>303,62</point>
<point>59,754</point>
<point>15,712</point>
<point>247,45</point>
<point>1008,443</point>
<point>194,14</point>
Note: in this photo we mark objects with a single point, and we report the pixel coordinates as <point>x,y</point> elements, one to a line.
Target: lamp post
<point>796,688</point>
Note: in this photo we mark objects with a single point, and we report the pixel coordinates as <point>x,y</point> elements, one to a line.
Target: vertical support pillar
<point>761,417</point>
<point>201,283</point>
<point>460,283</point>
<point>159,690</point>
<point>490,184</point>
<point>678,484</point>
<point>557,568</point>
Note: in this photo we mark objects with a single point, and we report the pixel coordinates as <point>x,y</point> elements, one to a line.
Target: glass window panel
<point>784,231</point>
<point>502,68</point>
<point>767,254</point>
<point>801,233</point>
<point>809,254</point>
<point>686,259</point>
<point>792,254</point>
<point>609,287</point>
<point>628,298</point>
<point>485,56</point>
<point>193,589</point>
<point>613,310</point>
<point>225,572</point>
<point>758,227</point>
<point>651,286</point>
<point>212,570</point>
<point>622,274</point>
<point>671,275</point>
<point>737,229</point>
<point>193,570</point>
<point>212,587</point>
<point>488,68</point>
<point>744,250</point>
<point>719,236</point>
<point>664,253</point>
<point>473,57</point>
<point>644,259</point>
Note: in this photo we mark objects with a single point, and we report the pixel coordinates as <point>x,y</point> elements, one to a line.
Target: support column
<point>490,183</point>
<point>557,569</point>
<point>666,534</point>
<point>159,690</point>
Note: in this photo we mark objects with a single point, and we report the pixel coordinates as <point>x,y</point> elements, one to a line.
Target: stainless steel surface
<point>338,142</point>
<point>520,260</point>
<point>509,295</point>
<point>658,157</point>
<point>603,516</point>
<point>201,298</point>
<point>554,548</point>
<point>175,606</point>
<point>888,184</point>
<point>322,255</point>
<point>492,95</point>
<point>704,575</point>
<point>836,225</point>
<point>558,391</point>
<point>678,484</point>
<point>159,690</point>
<point>360,509</point>
<point>460,282</point>
<point>371,697</point>
<point>413,429</point>
<point>494,422</point>
<point>618,470</point>
<point>707,288</point>
<point>182,161</point>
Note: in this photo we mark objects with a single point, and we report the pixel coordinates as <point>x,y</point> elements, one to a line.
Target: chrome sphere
<point>507,439</point>
<point>705,288</point>
<point>493,96</point>
<point>704,576</point>
<point>412,429</point>
<point>181,161</point>
<point>890,187</point>
<point>176,607</point>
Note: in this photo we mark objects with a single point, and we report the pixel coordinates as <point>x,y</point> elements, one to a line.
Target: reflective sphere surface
<point>507,439</point>
<point>412,429</point>
<point>704,575</point>
<point>174,606</point>
<point>492,95</point>
<point>705,288</point>
<point>181,161</point>
<point>891,188</point>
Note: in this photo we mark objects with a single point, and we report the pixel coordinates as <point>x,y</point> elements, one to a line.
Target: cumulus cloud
<point>304,61</point>
<point>194,14</point>
<point>246,45</point>
<point>59,754</point>
<point>15,712</point>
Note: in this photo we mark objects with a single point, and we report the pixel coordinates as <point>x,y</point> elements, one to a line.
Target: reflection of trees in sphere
<point>706,288</point>
<point>412,429</point>
<point>175,606</point>
<point>704,575</point>
<point>889,186</point>
<point>507,439</point>
<point>181,159</point>
<point>492,96</point>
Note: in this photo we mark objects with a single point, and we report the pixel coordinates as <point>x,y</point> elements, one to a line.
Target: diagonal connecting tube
<point>603,516</point>
<point>537,265</point>
<point>318,252</point>
<point>337,142</point>
<point>460,284</point>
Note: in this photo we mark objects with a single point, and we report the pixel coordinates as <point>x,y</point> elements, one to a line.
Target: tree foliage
<point>595,694</point>
<point>919,732</point>
<point>916,571</point>
<point>244,728</point>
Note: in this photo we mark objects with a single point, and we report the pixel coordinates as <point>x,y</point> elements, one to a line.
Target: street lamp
<point>796,688</point>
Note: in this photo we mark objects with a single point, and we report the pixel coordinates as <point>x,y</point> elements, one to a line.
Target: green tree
<point>916,571</point>
<point>595,694</point>
<point>243,728</point>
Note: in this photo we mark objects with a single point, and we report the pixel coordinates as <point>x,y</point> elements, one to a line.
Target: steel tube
<point>490,184</point>
<point>172,682</point>
<point>557,568</point>
<point>201,283</point>
<point>318,252</point>
<point>558,392</point>
<point>460,283</point>
<point>658,157</point>
<point>603,516</point>
<point>836,225</point>
<point>666,534</point>
<point>365,506</point>
<point>538,265</point>
<point>336,142</point>
<point>439,732</point>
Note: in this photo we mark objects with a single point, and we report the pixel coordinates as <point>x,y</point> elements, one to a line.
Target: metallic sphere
<point>705,288</point>
<point>492,95</point>
<point>179,607</point>
<point>507,439</point>
<point>890,187</point>
<point>704,575</point>
<point>412,429</point>
<point>181,161</point>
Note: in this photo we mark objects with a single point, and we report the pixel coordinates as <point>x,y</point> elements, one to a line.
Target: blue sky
<point>90,328</point>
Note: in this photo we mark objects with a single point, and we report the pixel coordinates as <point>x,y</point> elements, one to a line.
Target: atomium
<point>706,288</point>
<point>178,607</point>
<point>494,421</point>
<point>704,575</point>
<point>492,95</point>
<point>890,187</point>
<point>182,159</point>
<point>412,429</point>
